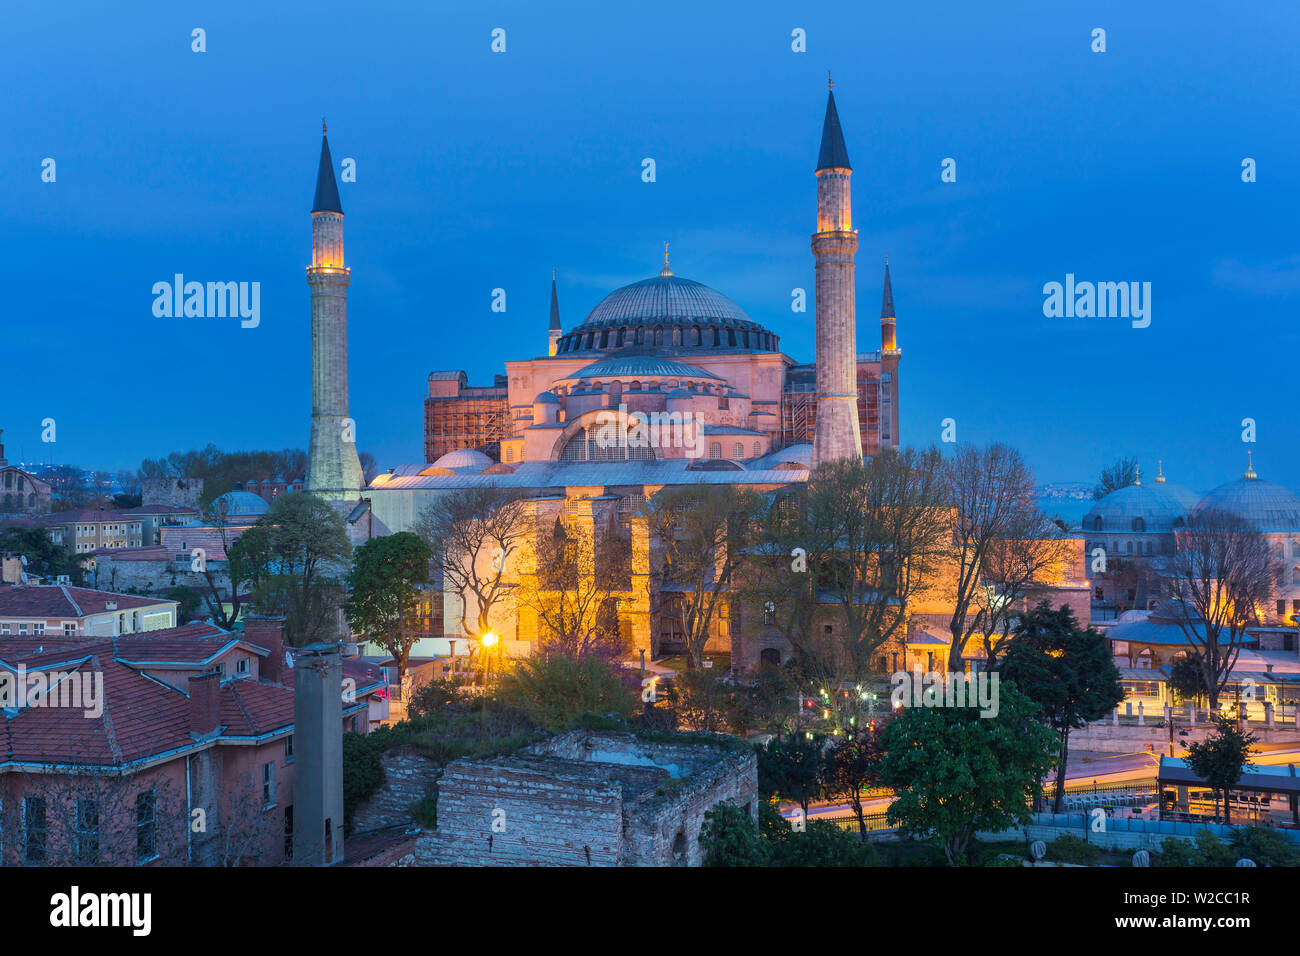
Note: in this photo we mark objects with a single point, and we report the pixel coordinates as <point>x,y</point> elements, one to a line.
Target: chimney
<point>267,631</point>
<point>205,703</point>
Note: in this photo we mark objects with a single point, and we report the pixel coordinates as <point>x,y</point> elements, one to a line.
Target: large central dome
<point>670,313</point>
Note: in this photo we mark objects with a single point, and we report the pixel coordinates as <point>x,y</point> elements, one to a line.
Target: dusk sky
<point>478,170</point>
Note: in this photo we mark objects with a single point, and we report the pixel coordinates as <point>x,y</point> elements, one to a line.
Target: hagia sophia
<point>668,345</point>
<point>663,344</point>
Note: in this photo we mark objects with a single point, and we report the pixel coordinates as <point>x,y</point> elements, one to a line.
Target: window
<point>268,783</point>
<point>4,628</point>
<point>1139,524</point>
<point>769,613</point>
<point>1281,608</point>
<point>87,833</point>
<point>146,826</point>
<point>220,668</point>
<point>288,749</point>
<point>39,628</point>
<point>758,449</point>
<point>737,450</point>
<point>22,629</point>
<point>69,630</point>
<point>241,666</point>
<point>715,450</point>
<point>33,829</point>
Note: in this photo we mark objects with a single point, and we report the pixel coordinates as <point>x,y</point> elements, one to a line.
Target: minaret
<point>890,354</point>
<point>834,244</point>
<point>333,468</point>
<point>555,331</point>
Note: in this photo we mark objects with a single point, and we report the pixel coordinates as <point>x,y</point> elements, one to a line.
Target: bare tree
<point>1001,544</point>
<point>704,531</point>
<point>473,535</point>
<point>571,580</point>
<point>1113,477</point>
<point>1221,572</point>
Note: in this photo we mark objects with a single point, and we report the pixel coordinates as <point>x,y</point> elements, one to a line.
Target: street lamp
<point>487,640</point>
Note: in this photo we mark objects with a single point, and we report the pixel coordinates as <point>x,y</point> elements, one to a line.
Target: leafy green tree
<point>822,844</point>
<point>851,763</point>
<point>790,767</point>
<point>295,557</point>
<point>956,773</point>
<point>188,602</point>
<point>382,588</point>
<point>765,700</point>
<point>730,837</point>
<point>44,557</point>
<point>1220,758</point>
<point>1187,680</point>
<point>1067,670</point>
<point>555,689</point>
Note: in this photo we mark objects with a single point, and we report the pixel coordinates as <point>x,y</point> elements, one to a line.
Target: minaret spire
<point>833,154</point>
<point>327,190</point>
<point>834,244</point>
<point>553,335</point>
<point>888,335</point>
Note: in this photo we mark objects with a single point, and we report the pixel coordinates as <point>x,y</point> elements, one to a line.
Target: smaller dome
<point>1158,510</point>
<point>239,504</point>
<point>546,398</point>
<point>678,393</point>
<point>1266,505</point>
<point>463,458</point>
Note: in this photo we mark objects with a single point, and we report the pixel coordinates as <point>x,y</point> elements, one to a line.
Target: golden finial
<point>552,273</point>
<point>830,84</point>
<point>665,271</point>
<point>886,258</point>
<point>1160,471</point>
<point>1250,466</point>
<point>1137,475</point>
<point>322,126</point>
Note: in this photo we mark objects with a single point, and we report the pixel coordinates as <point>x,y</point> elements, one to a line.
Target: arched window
<point>758,449</point>
<point>1139,524</point>
<point>605,442</point>
<point>737,450</point>
<point>715,449</point>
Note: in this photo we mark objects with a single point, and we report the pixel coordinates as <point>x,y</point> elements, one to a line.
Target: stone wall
<point>409,777</point>
<point>180,492</point>
<point>580,799</point>
<point>520,812</point>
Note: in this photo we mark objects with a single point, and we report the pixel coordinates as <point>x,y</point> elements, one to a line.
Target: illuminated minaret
<point>333,468</point>
<point>555,331</point>
<point>834,244</point>
<point>890,354</point>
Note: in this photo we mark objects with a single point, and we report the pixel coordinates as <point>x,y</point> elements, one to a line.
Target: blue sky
<point>478,170</point>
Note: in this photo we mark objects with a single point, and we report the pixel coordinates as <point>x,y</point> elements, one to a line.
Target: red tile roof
<point>160,510</point>
<point>57,600</point>
<point>149,552</point>
<point>142,718</point>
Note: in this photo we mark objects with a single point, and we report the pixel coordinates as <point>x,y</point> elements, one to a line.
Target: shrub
<point>554,690</point>
<point>823,843</point>
<point>425,812</point>
<point>1265,847</point>
<point>1070,849</point>
<point>729,837</point>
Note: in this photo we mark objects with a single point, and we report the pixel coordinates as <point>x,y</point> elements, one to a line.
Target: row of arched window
<point>673,336</point>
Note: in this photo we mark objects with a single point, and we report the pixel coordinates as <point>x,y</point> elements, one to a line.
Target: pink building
<point>167,747</point>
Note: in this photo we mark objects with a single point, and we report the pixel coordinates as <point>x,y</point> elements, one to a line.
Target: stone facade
<point>581,799</point>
